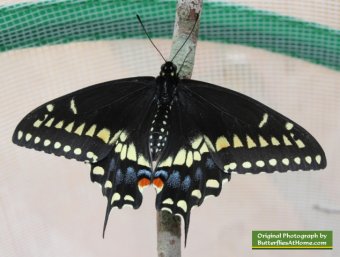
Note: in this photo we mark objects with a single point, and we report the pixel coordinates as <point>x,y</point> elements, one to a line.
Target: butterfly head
<point>168,69</point>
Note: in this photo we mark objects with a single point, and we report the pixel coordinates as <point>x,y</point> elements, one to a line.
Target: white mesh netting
<point>49,207</point>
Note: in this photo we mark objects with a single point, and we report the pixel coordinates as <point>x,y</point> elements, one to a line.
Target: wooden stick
<point>168,225</point>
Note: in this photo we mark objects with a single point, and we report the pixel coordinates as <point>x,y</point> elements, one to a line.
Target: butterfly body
<point>166,92</point>
<point>184,137</point>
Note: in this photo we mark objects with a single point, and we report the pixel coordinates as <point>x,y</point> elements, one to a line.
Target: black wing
<point>215,131</point>
<point>82,125</point>
<point>104,125</point>
<point>247,136</point>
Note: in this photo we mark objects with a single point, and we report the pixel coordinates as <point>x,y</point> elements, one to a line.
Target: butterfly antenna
<point>192,30</point>
<point>146,33</point>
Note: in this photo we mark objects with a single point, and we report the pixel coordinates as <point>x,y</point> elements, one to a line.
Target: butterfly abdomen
<point>159,129</point>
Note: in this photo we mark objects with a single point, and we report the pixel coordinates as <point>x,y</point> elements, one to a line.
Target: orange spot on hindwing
<point>144,182</point>
<point>158,184</point>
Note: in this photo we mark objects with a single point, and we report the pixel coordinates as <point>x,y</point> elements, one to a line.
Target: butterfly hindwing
<point>127,168</point>
<point>186,172</point>
<point>125,172</point>
<point>246,136</point>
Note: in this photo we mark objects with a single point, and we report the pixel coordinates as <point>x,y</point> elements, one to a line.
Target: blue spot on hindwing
<point>130,177</point>
<point>119,177</point>
<point>210,164</point>
<point>161,173</point>
<point>198,174</point>
<point>174,180</point>
<point>186,183</point>
<point>112,164</point>
<point>145,173</point>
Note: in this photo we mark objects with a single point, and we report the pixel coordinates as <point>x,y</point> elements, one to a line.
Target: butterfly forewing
<point>246,136</point>
<point>83,125</point>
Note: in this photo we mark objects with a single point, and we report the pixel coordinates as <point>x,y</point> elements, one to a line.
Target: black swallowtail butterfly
<point>183,136</point>
<point>196,133</point>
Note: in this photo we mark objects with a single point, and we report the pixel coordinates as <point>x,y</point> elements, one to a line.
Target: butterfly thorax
<point>166,91</point>
<point>167,83</point>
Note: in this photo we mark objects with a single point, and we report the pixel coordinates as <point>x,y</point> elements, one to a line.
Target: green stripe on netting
<point>58,22</point>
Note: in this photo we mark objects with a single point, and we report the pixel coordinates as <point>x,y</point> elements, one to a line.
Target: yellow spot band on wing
<point>123,152</point>
<point>197,156</point>
<point>275,141</point>
<point>49,123</point>
<point>142,161</point>
<point>80,129</point>
<point>91,130</point>
<point>115,137</point>
<point>263,142</point>
<point>190,159</point>
<point>286,141</point>
<point>69,127</point>
<point>131,152</point>
<point>250,142</point>
<point>221,143</point>
<point>180,157</point>
<point>209,144</point>
<point>104,135</point>
<point>59,125</point>
<point>237,141</point>
<point>166,163</point>
<point>204,149</point>
<point>196,142</point>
